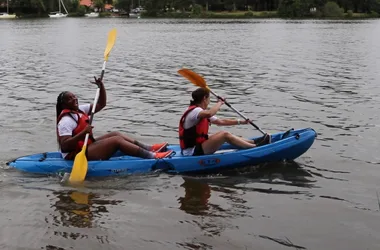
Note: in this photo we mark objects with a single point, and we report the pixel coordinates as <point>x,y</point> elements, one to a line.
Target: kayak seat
<point>44,155</point>
<point>287,133</point>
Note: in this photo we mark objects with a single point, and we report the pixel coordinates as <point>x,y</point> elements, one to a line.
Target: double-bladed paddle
<point>80,166</point>
<point>200,82</point>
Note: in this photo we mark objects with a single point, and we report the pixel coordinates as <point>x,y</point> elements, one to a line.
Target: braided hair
<point>59,108</point>
<point>198,95</point>
<point>60,102</point>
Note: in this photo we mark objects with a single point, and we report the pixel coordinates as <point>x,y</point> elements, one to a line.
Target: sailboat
<point>59,14</point>
<point>7,15</point>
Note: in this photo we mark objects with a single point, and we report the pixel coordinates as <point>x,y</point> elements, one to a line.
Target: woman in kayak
<point>72,127</point>
<point>194,124</point>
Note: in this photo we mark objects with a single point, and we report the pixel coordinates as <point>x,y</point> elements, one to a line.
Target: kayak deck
<point>284,146</point>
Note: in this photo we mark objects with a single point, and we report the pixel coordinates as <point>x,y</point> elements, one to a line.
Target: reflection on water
<point>286,242</point>
<point>228,184</point>
<point>288,173</point>
<point>277,178</point>
<point>79,209</point>
<point>196,197</point>
<point>196,202</point>
<point>73,213</point>
<point>218,198</point>
<point>74,209</point>
<point>50,247</point>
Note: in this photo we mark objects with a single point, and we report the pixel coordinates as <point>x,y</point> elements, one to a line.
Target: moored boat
<point>287,145</point>
<point>59,14</point>
<point>92,14</point>
<point>7,16</point>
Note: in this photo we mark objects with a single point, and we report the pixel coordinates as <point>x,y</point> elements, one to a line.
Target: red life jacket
<point>195,135</point>
<point>82,123</point>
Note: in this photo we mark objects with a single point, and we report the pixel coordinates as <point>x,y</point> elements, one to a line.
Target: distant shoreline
<point>214,15</point>
<point>253,15</point>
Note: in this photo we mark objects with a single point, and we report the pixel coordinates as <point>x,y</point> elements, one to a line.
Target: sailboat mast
<point>7,6</point>
<point>64,7</point>
<point>59,6</point>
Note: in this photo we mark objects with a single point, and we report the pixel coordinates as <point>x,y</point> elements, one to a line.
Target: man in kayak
<point>73,125</point>
<point>194,125</point>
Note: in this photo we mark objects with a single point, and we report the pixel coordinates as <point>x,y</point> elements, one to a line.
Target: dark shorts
<point>71,156</point>
<point>198,150</point>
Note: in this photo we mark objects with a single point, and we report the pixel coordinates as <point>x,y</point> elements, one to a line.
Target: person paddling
<point>72,127</point>
<point>194,125</point>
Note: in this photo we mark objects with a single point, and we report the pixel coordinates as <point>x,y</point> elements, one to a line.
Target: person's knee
<point>115,141</point>
<point>116,133</point>
<point>221,134</point>
<point>226,134</point>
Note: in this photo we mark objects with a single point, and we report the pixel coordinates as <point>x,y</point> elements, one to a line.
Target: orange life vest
<point>195,135</point>
<point>82,122</point>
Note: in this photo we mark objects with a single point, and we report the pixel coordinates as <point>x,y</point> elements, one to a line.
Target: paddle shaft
<point>243,116</point>
<point>97,94</point>
<point>95,102</point>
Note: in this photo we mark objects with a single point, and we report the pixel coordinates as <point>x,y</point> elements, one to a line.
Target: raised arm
<point>102,96</point>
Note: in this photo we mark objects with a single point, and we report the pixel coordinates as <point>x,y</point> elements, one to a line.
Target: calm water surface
<point>281,74</point>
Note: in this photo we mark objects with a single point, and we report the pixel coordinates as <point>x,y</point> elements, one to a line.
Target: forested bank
<point>207,8</point>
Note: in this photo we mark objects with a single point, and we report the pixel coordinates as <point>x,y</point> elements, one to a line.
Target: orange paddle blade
<point>194,78</point>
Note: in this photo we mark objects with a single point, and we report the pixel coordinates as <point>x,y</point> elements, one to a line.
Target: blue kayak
<point>286,145</point>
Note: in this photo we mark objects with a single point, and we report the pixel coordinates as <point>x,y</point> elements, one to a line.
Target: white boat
<point>92,14</point>
<point>7,15</point>
<point>59,14</point>
<point>136,13</point>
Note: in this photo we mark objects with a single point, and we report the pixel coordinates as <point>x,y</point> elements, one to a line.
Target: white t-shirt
<point>191,120</point>
<point>68,123</point>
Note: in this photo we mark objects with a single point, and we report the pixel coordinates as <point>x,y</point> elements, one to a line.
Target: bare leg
<point>249,141</point>
<point>253,141</point>
<point>115,133</point>
<point>106,147</point>
<point>216,140</point>
<point>127,138</point>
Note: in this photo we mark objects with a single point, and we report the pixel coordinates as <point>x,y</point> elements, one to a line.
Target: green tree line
<point>283,8</point>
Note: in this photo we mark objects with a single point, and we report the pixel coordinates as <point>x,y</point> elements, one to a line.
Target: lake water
<point>282,74</point>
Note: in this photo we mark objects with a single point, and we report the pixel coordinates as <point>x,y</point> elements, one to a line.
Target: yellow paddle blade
<point>194,78</point>
<point>79,197</point>
<point>110,42</point>
<point>79,171</point>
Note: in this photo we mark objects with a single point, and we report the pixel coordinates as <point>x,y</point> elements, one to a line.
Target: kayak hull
<point>287,145</point>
